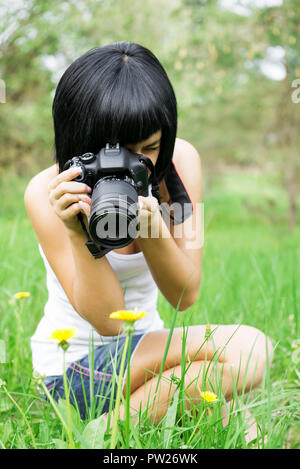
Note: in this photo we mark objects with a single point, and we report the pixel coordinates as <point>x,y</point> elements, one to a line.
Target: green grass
<point>250,272</point>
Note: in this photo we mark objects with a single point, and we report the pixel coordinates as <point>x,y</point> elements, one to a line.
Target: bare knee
<point>261,344</point>
<point>251,355</point>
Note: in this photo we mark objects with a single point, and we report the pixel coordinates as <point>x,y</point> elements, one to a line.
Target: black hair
<point>116,93</point>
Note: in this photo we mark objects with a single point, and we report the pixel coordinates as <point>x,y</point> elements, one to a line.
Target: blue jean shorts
<point>99,381</point>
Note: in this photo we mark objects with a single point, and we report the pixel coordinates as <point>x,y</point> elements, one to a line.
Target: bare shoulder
<point>49,229</point>
<point>47,226</point>
<point>36,200</point>
<point>36,192</point>
<point>38,184</point>
<point>187,161</point>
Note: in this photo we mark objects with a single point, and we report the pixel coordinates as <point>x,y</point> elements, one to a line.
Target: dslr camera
<point>117,177</point>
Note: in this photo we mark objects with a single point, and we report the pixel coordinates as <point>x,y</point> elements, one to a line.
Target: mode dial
<point>88,157</point>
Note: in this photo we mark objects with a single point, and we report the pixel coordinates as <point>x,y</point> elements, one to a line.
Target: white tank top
<point>139,288</point>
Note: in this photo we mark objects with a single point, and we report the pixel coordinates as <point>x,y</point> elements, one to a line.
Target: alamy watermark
<point>2,91</point>
<point>296,94</point>
<point>183,221</point>
<point>296,352</point>
<point>2,352</point>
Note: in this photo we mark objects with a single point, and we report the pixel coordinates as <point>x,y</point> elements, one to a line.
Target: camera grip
<point>74,163</point>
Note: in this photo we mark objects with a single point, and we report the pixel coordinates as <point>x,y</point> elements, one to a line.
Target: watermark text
<point>2,91</point>
<point>296,94</point>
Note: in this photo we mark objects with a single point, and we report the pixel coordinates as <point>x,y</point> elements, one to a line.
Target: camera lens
<point>113,213</point>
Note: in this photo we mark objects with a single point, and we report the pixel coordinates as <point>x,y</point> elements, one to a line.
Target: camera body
<point>117,177</point>
<point>112,161</point>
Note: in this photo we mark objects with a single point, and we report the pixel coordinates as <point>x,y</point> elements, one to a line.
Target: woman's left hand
<point>149,217</point>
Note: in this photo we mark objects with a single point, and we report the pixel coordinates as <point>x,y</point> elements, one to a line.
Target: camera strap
<point>177,191</point>
<point>178,195</point>
<point>96,250</point>
<point>153,177</point>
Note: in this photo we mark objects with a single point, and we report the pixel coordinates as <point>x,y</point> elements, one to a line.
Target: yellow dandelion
<point>21,294</point>
<point>207,331</point>
<point>128,315</point>
<point>61,336</point>
<point>209,396</point>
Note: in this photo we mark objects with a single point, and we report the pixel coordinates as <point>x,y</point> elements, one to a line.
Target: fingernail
<point>83,208</point>
<point>89,189</point>
<point>140,203</point>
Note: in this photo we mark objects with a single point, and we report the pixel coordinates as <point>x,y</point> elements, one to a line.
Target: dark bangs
<point>116,93</point>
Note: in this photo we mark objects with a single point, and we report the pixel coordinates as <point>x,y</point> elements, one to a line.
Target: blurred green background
<point>234,66</point>
<point>235,69</point>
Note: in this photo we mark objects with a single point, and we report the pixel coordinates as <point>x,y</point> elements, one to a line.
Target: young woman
<point>121,93</point>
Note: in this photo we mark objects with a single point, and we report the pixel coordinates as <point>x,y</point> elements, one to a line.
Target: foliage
<point>237,117</point>
<point>228,108</point>
<point>250,272</point>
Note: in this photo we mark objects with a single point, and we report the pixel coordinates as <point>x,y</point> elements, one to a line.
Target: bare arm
<point>174,257</point>
<point>96,289</point>
<point>90,284</point>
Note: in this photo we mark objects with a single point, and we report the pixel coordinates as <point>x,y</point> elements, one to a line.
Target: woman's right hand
<point>68,198</point>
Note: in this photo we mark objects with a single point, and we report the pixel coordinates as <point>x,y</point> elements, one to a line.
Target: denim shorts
<point>99,381</point>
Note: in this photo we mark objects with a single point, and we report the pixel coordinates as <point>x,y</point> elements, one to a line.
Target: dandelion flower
<point>61,336</point>
<point>128,315</point>
<point>207,331</point>
<point>209,396</point>
<point>21,294</point>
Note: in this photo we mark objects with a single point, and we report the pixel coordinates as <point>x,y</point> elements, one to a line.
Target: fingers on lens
<point>68,199</point>
<point>85,208</point>
<point>72,188</point>
<point>71,211</point>
<point>67,175</point>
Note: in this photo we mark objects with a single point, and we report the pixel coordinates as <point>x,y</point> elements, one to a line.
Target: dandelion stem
<point>69,432</point>
<point>118,398</point>
<point>23,415</point>
<point>52,401</point>
<point>196,427</point>
<point>127,408</point>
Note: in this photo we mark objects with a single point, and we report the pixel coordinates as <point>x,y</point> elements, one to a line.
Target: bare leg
<point>158,403</point>
<point>233,344</point>
<point>241,348</point>
<point>251,433</point>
